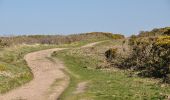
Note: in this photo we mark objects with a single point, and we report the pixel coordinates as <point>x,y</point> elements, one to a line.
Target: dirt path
<point>45,73</point>
<point>91,44</point>
<point>49,79</point>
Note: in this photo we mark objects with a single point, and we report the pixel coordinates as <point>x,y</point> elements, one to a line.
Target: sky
<point>18,17</point>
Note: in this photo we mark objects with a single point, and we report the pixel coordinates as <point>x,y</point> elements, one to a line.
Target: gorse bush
<point>163,41</point>
<point>161,56</point>
<point>150,56</point>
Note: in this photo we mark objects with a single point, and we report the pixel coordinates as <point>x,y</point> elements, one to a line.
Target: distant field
<point>105,84</point>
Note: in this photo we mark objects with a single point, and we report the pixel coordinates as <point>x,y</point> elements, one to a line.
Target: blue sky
<point>77,16</point>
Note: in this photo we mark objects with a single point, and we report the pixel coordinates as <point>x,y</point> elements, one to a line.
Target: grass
<point>106,84</point>
<point>14,71</point>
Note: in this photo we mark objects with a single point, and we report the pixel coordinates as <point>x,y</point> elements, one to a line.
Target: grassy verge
<point>107,84</point>
<point>13,68</point>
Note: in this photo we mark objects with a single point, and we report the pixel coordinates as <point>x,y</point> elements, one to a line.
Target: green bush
<point>110,54</point>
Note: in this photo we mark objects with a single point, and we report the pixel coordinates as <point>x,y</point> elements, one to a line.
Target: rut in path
<point>45,72</point>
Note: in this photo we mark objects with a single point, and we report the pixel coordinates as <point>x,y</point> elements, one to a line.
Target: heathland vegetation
<point>133,68</point>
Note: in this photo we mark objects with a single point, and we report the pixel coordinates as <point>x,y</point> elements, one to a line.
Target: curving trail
<point>49,79</point>
<point>45,73</point>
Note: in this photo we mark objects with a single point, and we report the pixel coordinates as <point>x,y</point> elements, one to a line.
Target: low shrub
<point>110,54</point>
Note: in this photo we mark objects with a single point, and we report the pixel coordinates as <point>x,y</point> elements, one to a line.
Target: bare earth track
<point>46,73</point>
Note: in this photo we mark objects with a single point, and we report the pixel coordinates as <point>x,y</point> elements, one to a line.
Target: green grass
<point>112,84</point>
